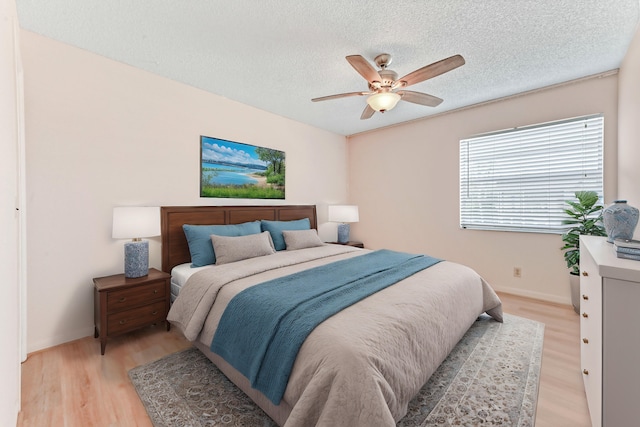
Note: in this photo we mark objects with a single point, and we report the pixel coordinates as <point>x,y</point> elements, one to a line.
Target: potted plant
<point>585,218</point>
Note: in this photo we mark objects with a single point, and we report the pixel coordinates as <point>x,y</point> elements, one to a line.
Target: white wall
<point>629,127</point>
<point>102,134</point>
<point>9,242</point>
<point>405,180</point>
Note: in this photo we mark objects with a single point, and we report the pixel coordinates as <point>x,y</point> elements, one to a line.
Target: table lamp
<point>343,214</point>
<point>135,223</point>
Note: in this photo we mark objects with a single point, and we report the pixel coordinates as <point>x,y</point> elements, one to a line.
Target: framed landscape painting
<point>236,170</point>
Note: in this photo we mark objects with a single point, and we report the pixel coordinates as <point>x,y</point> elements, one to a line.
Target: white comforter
<point>362,366</point>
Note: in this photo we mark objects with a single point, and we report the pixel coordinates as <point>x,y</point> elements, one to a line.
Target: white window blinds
<point>518,180</point>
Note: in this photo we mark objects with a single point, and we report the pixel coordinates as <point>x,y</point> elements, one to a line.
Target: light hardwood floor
<point>72,385</point>
<point>561,398</point>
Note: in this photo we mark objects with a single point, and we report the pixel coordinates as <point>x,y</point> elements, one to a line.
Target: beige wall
<point>102,134</point>
<point>629,127</point>
<point>406,183</point>
<point>9,240</point>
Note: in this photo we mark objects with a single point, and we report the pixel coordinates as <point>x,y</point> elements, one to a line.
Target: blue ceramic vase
<point>619,220</point>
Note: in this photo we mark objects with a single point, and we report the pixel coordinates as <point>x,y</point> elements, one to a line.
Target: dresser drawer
<point>132,319</point>
<point>128,298</point>
<point>591,334</point>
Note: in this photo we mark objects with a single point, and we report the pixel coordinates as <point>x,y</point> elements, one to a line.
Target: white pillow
<point>301,239</point>
<point>231,249</point>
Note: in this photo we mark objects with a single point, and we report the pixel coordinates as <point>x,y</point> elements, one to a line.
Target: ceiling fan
<point>386,89</point>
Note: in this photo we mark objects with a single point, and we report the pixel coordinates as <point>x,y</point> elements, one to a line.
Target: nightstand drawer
<point>124,304</point>
<point>127,298</point>
<point>133,319</point>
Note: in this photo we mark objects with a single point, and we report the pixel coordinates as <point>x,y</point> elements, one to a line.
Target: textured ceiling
<point>278,54</point>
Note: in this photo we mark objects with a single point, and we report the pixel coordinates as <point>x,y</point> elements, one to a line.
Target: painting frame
<point>237,170</point>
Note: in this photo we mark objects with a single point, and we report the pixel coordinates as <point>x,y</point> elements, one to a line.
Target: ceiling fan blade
<point>367,113</point>
<point>432,70</point>
<point>420,98</point>
<point>339,95</point>
<point>363,67</point>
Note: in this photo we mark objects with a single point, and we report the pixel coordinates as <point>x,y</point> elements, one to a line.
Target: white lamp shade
<point>136,222</point>
<point>343,213</point>
<point>383,101</point>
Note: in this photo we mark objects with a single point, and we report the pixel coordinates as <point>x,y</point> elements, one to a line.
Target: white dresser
<point>610,333</point>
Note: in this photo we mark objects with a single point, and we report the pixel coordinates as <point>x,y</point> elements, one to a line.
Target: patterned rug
<point>490,378</point>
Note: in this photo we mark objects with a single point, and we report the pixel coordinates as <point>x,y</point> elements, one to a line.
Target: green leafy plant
<point>586,219</point>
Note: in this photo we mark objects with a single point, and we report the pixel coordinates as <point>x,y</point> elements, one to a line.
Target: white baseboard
<point>61,339</point>
<point>533,294</point>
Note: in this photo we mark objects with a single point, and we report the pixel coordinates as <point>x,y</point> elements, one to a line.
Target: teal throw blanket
<point>264,326</point>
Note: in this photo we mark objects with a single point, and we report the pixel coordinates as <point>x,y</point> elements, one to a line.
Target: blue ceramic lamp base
<point>343,233</point>
<point>136,259</point>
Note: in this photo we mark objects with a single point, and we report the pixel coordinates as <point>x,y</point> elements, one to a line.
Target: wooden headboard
<point>174,243</point>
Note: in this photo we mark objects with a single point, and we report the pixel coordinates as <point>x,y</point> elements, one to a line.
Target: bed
<point>359,367</point>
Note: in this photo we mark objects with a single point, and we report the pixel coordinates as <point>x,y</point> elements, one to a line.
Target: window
<point>519,179</point>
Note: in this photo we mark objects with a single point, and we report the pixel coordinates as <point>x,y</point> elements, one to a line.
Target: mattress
<point>179,276</point>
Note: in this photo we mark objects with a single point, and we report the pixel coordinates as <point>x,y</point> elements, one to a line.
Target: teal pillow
<point>275,228</point>
<point>199,239</point>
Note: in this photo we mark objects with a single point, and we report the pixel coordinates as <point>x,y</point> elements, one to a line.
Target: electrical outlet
<point>517,272</point>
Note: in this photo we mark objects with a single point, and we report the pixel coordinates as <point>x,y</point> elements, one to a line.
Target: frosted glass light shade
<point>136,222</point>
<point>383,101</point>
<point>343,213</point>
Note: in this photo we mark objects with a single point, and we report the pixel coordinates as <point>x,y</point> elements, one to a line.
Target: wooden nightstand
<point>122,305</point>
<point>354,244</point>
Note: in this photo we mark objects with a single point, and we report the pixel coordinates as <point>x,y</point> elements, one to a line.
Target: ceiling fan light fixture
<point>383,101</point>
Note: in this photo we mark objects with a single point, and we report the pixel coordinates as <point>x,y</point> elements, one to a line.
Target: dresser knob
<point>122,322</point>
<point>155,312</point>
<point>585,340</point>
<point>585,297</point>
<point>585,315</point>
<point>586,372</point>
<point>584,273</point>
<point>155,291</point>
<point>122,299</point>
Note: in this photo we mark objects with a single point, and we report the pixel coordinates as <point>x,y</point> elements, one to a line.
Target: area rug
<point>490,378</point>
